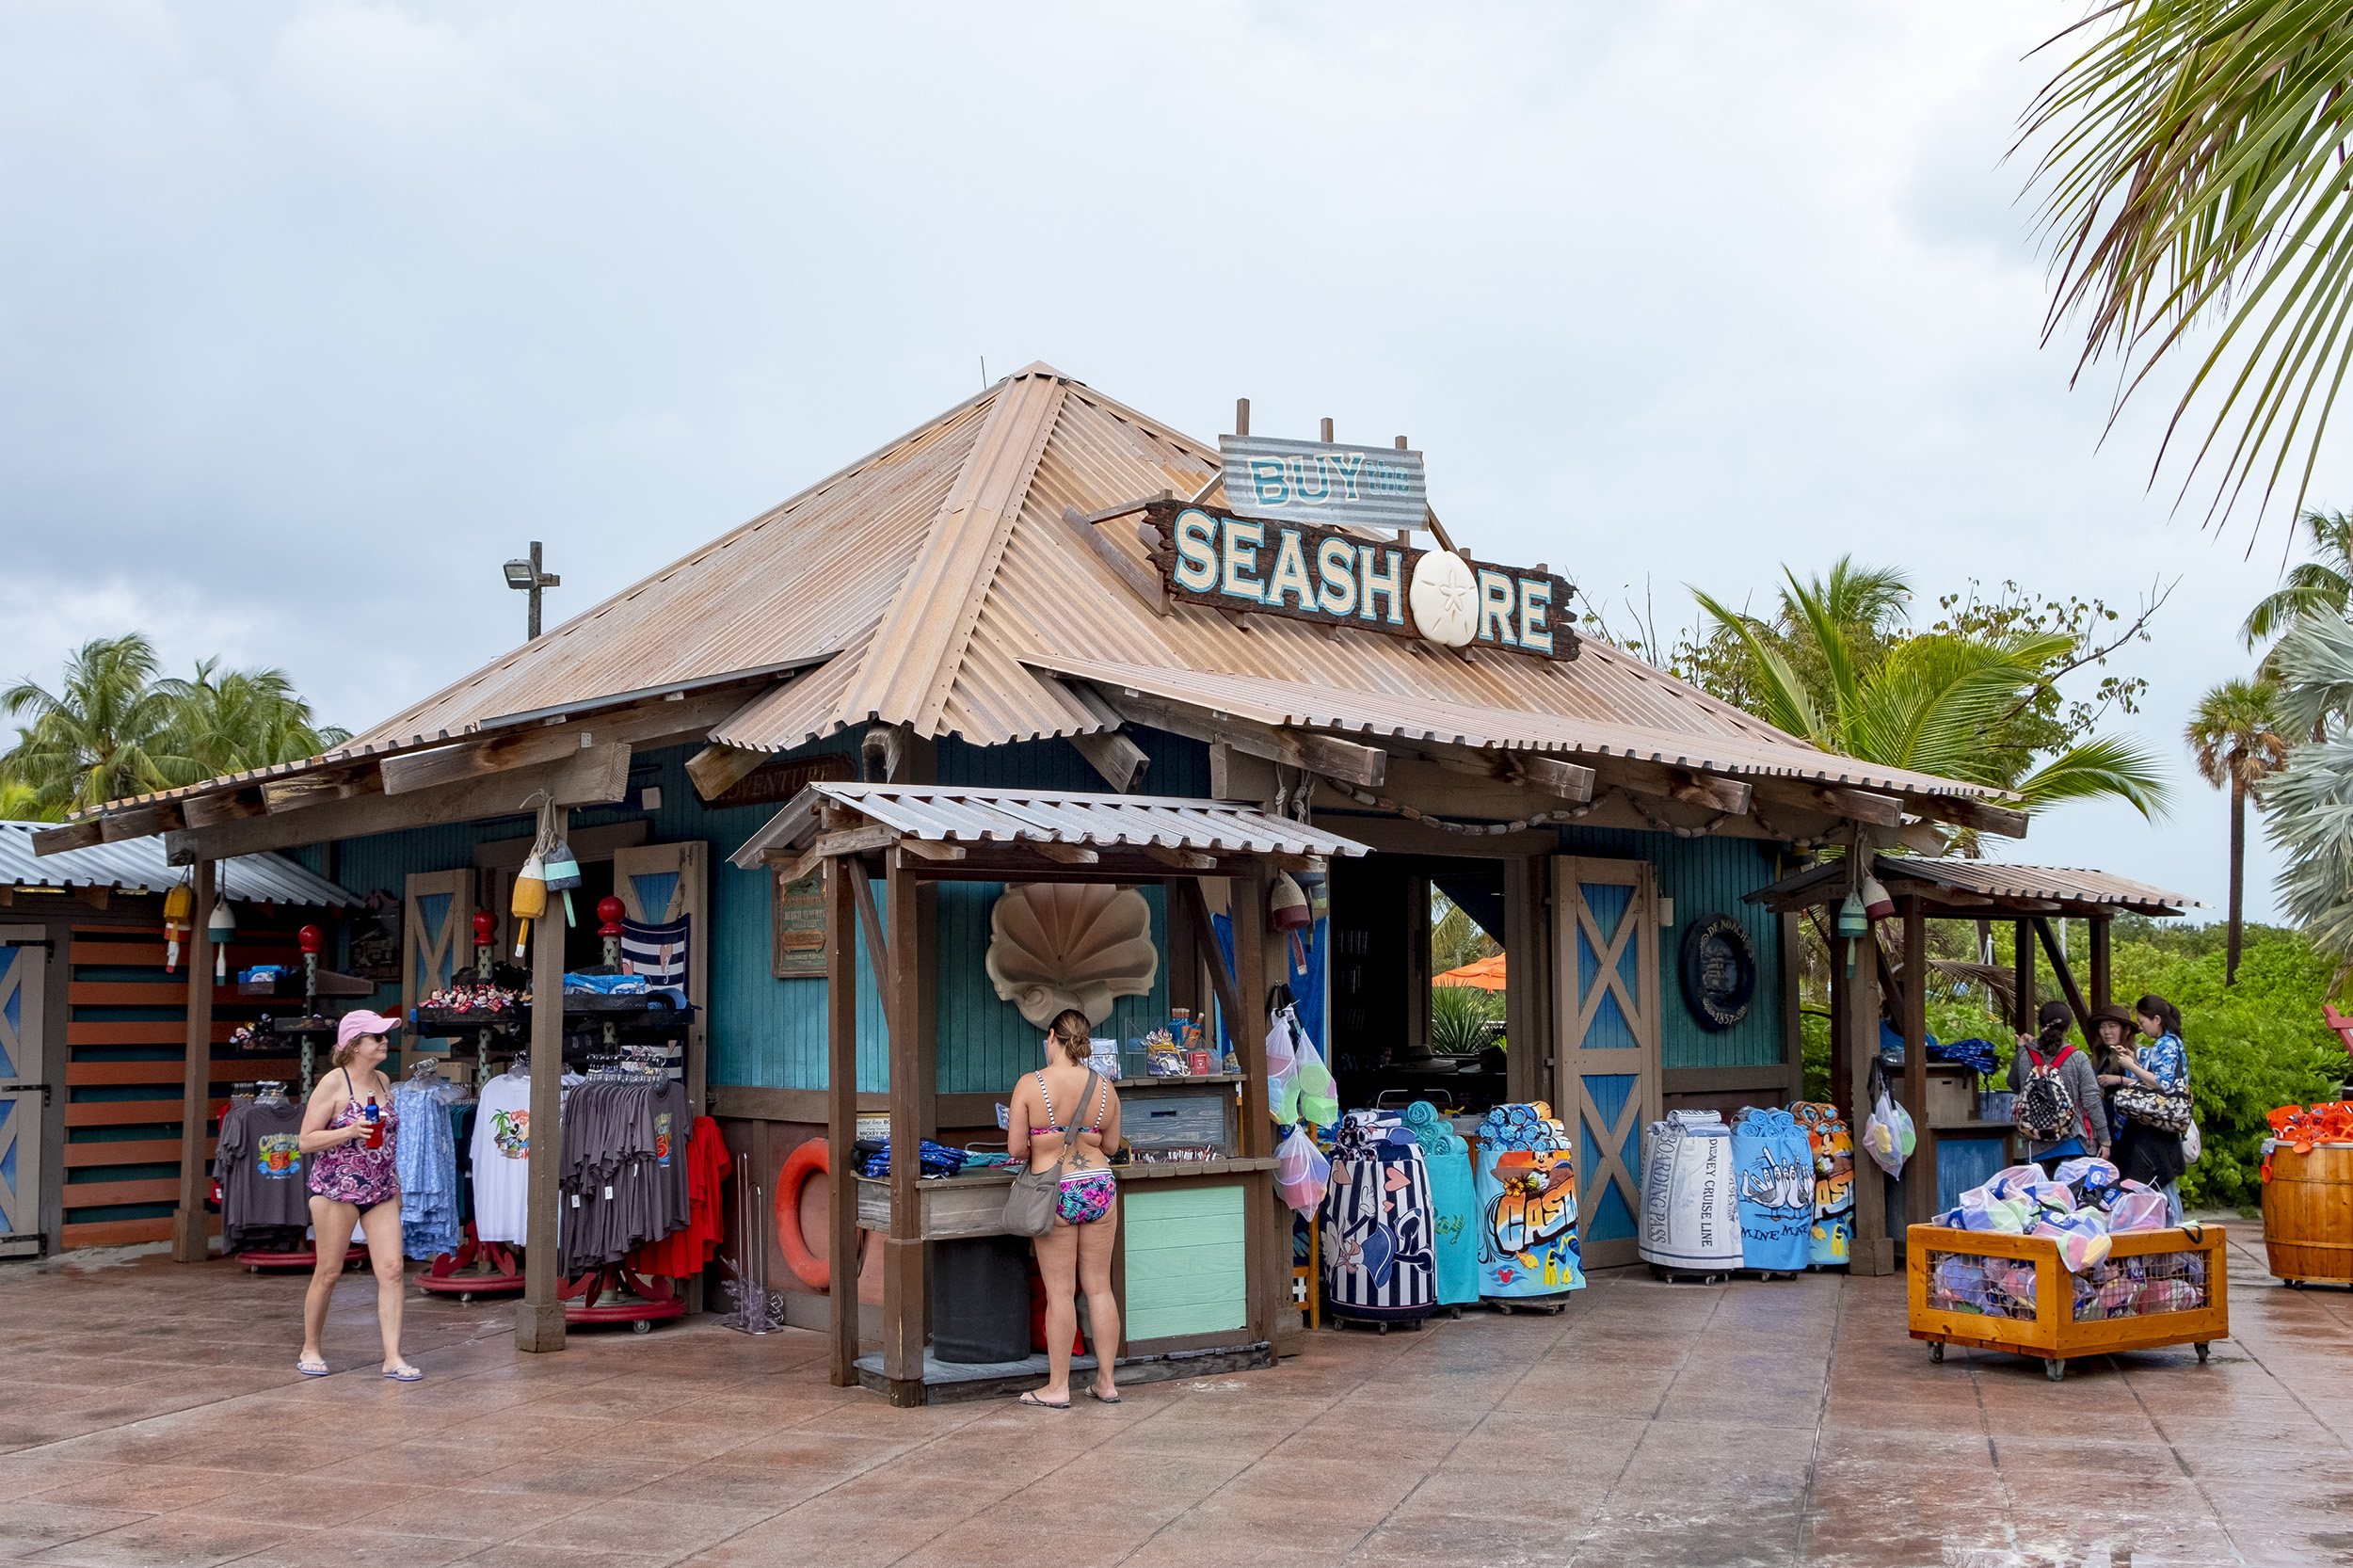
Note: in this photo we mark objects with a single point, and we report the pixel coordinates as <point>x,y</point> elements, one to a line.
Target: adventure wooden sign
<point>1334,577</point>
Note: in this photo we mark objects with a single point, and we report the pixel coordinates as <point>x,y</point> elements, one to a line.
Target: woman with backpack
<point>2059,1109</point>
<point>2147,1152</point>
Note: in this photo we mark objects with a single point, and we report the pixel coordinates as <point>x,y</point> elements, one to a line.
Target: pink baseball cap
<point>364,1022</point>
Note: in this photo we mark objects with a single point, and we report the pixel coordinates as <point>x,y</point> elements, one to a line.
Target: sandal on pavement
<point>1105,1399</point>
<point>1036,1404</point>
<point>406,1374</point>
<point>311,1367</point>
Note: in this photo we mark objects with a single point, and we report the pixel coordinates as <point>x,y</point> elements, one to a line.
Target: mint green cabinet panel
<point>1186,1264</point>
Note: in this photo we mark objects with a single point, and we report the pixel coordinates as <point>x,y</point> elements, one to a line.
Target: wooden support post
<point>1787,927</point>
<point>1843,1077</point>
<point>1418,967</point>
<point>906,1296</point>
<point>2103,975</point>
<point>540,1316</point>
<point>1184,953</point>
<point>1222,980</point>
<point>841,1116</point>
<point>1266,1244</point>
<point>1874,1247</point>
<point>1920,1175</point>
<point>1527,1057</point>
<point>2066,976</point>
<point>191,1231</point>
<point>2022,976</point>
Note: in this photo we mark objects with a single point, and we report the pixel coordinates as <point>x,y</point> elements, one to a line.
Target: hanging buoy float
<point>810,1159</point>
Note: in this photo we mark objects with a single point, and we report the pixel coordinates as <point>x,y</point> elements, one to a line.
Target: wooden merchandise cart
<point>2053,1333</point>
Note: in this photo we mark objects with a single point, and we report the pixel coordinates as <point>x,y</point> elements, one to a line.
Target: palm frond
<point>2193,169</point>
<point>2109,768</point>
<point>1787,704</point>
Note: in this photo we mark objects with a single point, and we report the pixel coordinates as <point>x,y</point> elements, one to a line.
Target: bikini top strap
<point>1102,1106</point>
<point>1048,1096</point>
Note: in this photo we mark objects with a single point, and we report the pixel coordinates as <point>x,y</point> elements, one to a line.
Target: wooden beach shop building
<point>1039,640</point>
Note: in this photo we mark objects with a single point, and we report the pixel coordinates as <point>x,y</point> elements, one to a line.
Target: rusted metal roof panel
<point>941,815</point>
<point>138,866</point>
<point>1406,719</point>
<point>2072,884</point>
<point>1987,879</point>
<point>804,579</point>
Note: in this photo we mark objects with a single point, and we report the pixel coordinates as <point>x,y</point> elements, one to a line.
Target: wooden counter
<point>975,1205</point>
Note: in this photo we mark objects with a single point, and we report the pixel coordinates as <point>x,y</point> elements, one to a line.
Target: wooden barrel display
<point>2308,1214</point>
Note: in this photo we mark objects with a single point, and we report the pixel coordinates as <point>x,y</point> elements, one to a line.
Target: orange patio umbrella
<point>1485,973</point>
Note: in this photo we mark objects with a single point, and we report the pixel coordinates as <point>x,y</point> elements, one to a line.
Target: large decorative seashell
<point>1065,944</point>
<point>1445,597</point>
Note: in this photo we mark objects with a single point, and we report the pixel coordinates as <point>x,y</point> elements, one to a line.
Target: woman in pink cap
<point>348,1130</point>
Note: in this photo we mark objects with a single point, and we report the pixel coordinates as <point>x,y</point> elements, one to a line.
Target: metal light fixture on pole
<point>527,577</point>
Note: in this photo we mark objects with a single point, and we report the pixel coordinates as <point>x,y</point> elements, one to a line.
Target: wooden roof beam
<point>1853,805</point>
<point>1984,816</point>
<point>595,777</point>
<point>529,745</point>
<point>139,821</point>
<point>229,805</point>
<point>1707,791</point>
<point>1361,765</point>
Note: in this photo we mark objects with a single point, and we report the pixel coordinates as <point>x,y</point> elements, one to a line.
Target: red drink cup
<point>375,1126</point>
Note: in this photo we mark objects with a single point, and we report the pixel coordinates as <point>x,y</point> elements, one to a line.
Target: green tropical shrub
<point>1459,1015</point>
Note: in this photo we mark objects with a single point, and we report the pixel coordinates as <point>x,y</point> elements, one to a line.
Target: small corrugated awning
<point>1981,889</point>
<point>138,866</point>
<point>1105,831</point>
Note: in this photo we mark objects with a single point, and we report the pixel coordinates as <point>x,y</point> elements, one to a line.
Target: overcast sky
<point>312,314</point>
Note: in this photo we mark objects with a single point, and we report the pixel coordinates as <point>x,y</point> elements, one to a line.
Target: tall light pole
<point>527,576</point>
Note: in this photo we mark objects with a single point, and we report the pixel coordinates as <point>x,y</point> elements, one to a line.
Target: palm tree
<point>224,724</point>
<point>1928,703</point>
<point>2322,586</point>
<point>2233,734</point>
<point>20,802</point>
<point>2193,166</point>
<point>2309,804</point>
<point>101,736</point>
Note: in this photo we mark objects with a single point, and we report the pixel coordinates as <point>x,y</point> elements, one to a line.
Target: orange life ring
<point>810,1159</point>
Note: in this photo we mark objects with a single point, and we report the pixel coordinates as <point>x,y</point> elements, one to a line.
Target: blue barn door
<point>1605,931</point>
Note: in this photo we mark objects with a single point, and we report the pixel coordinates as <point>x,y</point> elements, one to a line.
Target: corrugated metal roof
<point>1415,718</point>
<point>2072,884</point>
<point>941,815</point>
<point>935,573</point>
<point>138,866</point>
<point>1993,879</point>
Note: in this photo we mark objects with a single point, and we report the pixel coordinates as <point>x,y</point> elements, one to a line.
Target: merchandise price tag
<point>575,1200</point>
<point>608,1189</point>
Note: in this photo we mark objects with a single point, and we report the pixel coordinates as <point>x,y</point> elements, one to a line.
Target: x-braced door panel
<point>22,972</point>
<point>1606,963</point>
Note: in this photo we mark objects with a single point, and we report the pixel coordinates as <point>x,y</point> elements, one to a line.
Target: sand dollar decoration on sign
<point>1445,597</point>
<point>1058,944</point>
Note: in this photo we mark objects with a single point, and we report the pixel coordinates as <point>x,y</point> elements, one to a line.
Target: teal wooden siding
<point>770,1033</point>
<point>985,1044</point>
<point>1185,1261</point>
<point>1705,877</point>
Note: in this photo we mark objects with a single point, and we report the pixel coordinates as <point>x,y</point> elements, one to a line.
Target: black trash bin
<point>981,1299</point>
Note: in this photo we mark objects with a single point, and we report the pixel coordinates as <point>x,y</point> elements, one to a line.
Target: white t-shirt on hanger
<point>502,1161</point>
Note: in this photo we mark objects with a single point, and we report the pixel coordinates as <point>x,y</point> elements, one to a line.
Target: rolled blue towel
<point>1420,1112</point>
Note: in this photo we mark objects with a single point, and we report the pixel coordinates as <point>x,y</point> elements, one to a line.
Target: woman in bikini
<point>1050,1107</point>
<point>354,1184</point>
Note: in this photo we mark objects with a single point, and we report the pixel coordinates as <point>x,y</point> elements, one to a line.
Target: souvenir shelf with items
<point>2055,1269</point>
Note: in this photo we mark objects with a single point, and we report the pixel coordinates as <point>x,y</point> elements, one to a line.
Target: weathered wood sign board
<point>774,783</point>
<point>800,928</point>
<point>1331,577</point>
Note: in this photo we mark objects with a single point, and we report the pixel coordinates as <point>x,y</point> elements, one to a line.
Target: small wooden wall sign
<point>800,915</point>
<point>1334,577</point>
<point>774,783</point>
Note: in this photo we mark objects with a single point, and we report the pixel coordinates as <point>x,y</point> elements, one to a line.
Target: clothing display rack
<point>244,1170</point>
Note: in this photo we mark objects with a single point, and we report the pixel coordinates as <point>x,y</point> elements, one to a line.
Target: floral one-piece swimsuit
<point>1084,1196</point>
